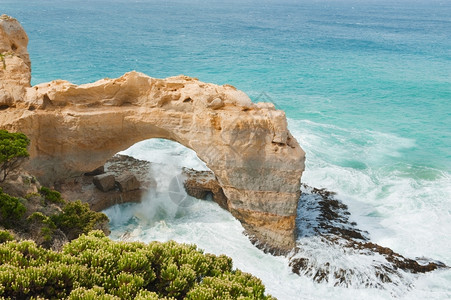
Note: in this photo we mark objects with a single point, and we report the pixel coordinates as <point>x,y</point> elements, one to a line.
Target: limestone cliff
<point>15,66</point>
<point>74,129</point>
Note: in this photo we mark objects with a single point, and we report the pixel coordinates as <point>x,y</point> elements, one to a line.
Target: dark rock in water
<point>127,182</point>
<point>398,260</point>
<point>97,171</point>
<point>331,249</point>
<point>104,182</point>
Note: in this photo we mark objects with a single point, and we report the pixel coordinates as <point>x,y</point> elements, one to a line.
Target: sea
<point>366,87</point>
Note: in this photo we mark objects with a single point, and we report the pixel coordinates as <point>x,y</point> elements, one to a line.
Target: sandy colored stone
<point>76,128</point>
<point>82,187</point>
<point>127,182</point>
<point>199,184</point>
<point>15,66</point>
<point>104,182</point>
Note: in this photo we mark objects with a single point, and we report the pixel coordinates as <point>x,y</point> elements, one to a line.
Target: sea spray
<point>215,230</point>
<point>166,201</point>
<point>399,203</point>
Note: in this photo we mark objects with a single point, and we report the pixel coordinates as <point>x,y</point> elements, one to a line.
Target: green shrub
<point>46,224</point>
<point>11,210</point>
<point>94,267</point>
<point>13,150</point>
<point>5,236</point>
<point>31,195</point>
<point>77,218</point>
<point>51,195</point>
<point>94,293</point>
<point>229,286</point>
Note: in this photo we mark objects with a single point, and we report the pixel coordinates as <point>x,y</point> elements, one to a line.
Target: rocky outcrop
<point>127,182</point>
<point>103,190</point>
<point>331,249</point>
<point>15,66</point>
<point>74,129</point>
<point>200,184</point>
<point>104,182</point>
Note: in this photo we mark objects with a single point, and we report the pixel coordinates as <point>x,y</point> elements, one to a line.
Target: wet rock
<point>104,182</point>
<point>330,248</point>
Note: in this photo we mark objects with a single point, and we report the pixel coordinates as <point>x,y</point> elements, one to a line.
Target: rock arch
<point>74,129</point>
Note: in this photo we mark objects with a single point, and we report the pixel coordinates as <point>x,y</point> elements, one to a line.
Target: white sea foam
<point>409,214</point>
<point>403,207</point>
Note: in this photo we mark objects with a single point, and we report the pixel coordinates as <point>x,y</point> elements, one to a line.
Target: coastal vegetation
<point>13,151</point>
<point>47,218</point>
<point>11,210</point>
<point>95,267</point>
<point>51,248</point>
<point>76,219</point>
<point>43,215</point>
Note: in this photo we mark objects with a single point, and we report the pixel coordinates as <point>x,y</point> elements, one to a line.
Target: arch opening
<point>165,210</point>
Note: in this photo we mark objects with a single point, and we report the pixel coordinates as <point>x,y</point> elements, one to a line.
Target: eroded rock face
<point>74,129</point>
<point>200,184</point>
<point>15,66</point>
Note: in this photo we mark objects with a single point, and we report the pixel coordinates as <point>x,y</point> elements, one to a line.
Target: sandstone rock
<point>15,66</point>
<point>74,129</point>
<point>127,182</point>
<point>199,184</point>
<point>104,182</point>
<point>20,183</point>
<point>216,103</point>
<point>119,164</point>
<point>82,187</point>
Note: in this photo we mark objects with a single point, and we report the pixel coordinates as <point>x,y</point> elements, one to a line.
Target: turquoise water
<point>372,66</point>
<point>366,86</point>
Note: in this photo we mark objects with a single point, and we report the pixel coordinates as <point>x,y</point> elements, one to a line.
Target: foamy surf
<point>381,199</point>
